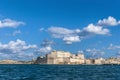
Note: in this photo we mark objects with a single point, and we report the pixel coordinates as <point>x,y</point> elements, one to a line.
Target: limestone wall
<point>61,57</point>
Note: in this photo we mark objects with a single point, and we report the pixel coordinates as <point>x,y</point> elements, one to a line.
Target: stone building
<point>61,57</point>
<point>89,61</point>
<point>40,60</point>
<point>99,61</point>
<point>77,59</point>
<point>112,61</point>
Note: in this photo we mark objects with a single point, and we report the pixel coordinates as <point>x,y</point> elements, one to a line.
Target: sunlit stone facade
<point>61,57</point>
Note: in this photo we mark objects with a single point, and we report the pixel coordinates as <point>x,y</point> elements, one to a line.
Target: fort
<point>62,57</point>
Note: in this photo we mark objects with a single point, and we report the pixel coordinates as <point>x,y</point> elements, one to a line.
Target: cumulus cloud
<point>47,42</point>
<point>16,50</point>
<point>113,47</point>
<point>95,53</point>
<point>67,35</point>
<point>96,29</point>
<point>46,47</point>
<point>10,23</point>
<point>71,39</point>
<point>76,35</point>
<point>110,21</point>
<point>58,32</point>
<point>16,32</point>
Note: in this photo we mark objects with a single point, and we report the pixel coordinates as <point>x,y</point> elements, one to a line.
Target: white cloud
<point>16,46</point>
<point>16,50</point>
<point>76,35</point>
<point>95,53</point>
<point>59,32</point>
<point>16,32</point>
<point>96,29</point>
<point>110,21</point>
<point>46,47</point>
<point>46,43</point>
<point>77,30</point>
<point>71,39</point>
<point>43,51</point>
<point>10,23</point>
<point>113,47</point>
<point>67,35</point>
<point>94,50</point>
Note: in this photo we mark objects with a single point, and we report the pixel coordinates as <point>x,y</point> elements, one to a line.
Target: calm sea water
<point>59,72</point>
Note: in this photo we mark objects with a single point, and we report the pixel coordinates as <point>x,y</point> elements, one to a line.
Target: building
<point>77,59</point>
<point>89,61</point>
<point>99,61</point>
<point>112,60</point>
<point>40,60</point>
<point>61,57</point>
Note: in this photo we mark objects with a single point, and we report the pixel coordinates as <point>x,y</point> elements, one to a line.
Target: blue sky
<point>29,28</point>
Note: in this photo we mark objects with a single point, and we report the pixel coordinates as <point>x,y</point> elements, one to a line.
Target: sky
<point>32,28</point>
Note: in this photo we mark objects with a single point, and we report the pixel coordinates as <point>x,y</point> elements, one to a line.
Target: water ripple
<point>59,72</point>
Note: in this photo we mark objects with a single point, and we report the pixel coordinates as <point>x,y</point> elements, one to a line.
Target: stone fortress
<point>61,57</point>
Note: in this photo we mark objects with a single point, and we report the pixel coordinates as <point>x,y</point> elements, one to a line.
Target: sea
<point>59,72</point>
